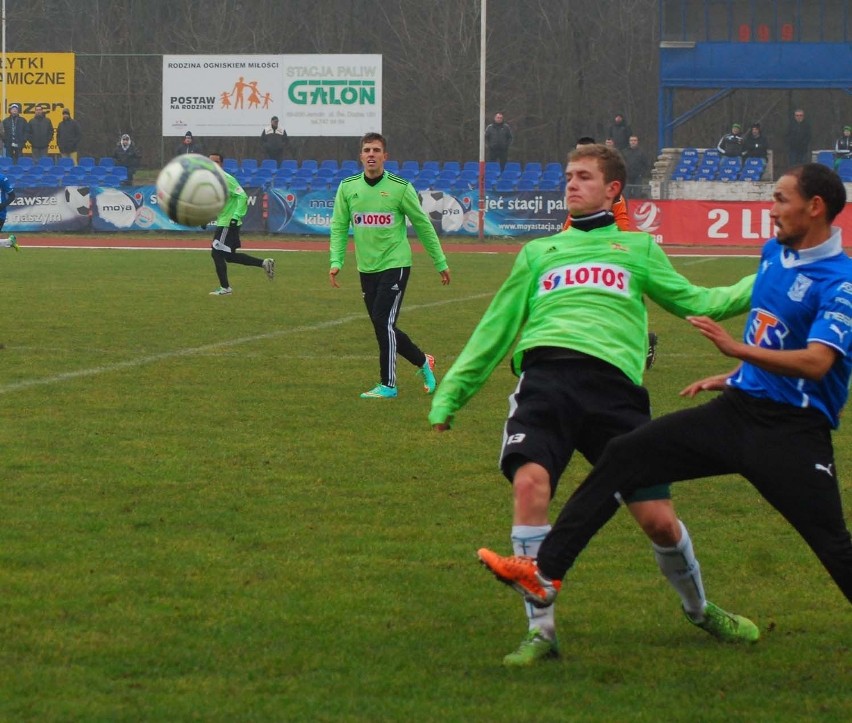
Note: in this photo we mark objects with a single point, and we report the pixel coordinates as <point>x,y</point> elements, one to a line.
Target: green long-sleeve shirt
<point>580,290</point>
<point>237,204</point>
<point>377,214</point>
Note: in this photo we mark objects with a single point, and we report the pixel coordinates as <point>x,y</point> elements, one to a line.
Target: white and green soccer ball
<point>192,190</point>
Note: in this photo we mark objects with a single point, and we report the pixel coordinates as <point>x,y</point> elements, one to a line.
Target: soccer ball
<point>192,190</point>
<point>78,200</point>
<point>445,212</point>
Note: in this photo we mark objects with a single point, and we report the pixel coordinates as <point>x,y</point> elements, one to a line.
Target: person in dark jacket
<point>620,132</point>
<point>15,132</point>
<point>40,133</point>
<point>188,145</point>
<point>68,135</point>
<point>273,138</point>
<point>754,144</point>
<point>731,144</point>
<point>843,146</point>
<point>498,138</point>
<point>127,154</point>
<point>798,139</point>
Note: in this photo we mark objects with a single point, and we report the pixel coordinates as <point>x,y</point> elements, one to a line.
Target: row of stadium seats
<point>844,168</point>
<point>47,163</point>
<point>413,168</point>
<point>711,165</point>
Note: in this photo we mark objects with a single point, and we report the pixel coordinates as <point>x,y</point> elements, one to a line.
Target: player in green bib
<point>375,204</point>
<point>573,307</point>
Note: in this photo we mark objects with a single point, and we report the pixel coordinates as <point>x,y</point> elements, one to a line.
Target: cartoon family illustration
<point>235,98</point>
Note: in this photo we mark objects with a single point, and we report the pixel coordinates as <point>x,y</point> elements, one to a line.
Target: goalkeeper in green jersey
<point>573,307</point>
<point>225,248</point>
<point>375,204</point>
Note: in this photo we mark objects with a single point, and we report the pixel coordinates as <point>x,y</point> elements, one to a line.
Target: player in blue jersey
<point>772,423</point>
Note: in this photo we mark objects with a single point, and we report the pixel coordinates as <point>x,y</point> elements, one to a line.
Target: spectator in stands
<point>843,146</point>
<point>498,138</point>
<point>274,140</point>
<point>15,132</point>
<point>798,139</point>
<point>754,144</point>
<point>68,135</point>
<point>40,133</point>
<point>609,143</point>
<point>636,161</point>
<point>127,154</point>
<point>188,145</point>
<point>620,132</point>
<point>731,144</point>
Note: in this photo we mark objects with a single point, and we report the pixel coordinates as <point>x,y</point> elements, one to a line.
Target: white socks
<point>682,570</point>
<point>526,539</point>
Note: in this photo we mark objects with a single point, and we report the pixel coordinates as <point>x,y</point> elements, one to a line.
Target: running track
<point>188,242</point>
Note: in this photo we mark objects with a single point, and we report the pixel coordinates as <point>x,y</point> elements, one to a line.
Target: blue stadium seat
<point>105,162</point>
<point>26,162</point>
<point>688,154</point>
<point>309,163</point>
<point>431,166</point>
<point>46,162</point>
<point>410,166</point>
<point>751,174</point>
<point>248,165</point>
<point>731,162</point>
<point>556,168</point>
<point>512,166</point>
<point>826,158</point>
<point>452,166</point>
<point>549,184</point>
<point>460,186</point>
<point>6,161</point>
<point>705,173</point>
<point>231,165</point>
<point>269,164</point>
<point>120,171</point>
<point>492,166</point>
<point>64,163</point>
<point>299,184</point>
<point>84,161</point>
<point>471,166</point>
<point>329,164</point>
<point>533,167</point>
<point>289,164</point>
<point>844,170</point>
<point>728,173</point>
<point>111,181</point>
<point>683,173</point>
<point>352,166</point>
<point>527,184</point>
<point>392,166</point>
<point>505,186</point>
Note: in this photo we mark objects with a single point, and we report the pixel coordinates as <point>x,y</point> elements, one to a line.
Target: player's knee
<point>658,521</point>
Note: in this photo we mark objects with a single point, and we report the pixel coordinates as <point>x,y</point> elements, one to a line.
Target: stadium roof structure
<point>732,44</point>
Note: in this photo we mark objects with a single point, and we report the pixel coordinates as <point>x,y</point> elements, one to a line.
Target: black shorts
<point>564,405</point>
<point>227,238</point>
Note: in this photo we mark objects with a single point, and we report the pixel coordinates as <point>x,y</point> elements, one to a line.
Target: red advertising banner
<point>713,223</point>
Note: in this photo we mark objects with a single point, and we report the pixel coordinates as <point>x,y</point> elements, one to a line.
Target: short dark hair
<point>216,153</point>
<point>815,179</point>
<point>610,161</point>
<point>372,136</point>
<point>584,141</point>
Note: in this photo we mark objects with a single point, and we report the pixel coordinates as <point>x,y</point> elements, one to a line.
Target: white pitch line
<point>207,348</point>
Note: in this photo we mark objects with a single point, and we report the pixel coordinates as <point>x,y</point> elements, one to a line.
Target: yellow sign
<point>45,78</point>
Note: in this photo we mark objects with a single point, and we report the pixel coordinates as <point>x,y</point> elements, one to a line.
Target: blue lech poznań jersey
<point>800,297</point>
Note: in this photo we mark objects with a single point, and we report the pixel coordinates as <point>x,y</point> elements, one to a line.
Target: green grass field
<point>202,521</point>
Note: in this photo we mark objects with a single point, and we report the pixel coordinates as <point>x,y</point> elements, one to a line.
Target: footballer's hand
<point>715,383</point>
<point>445,277</point>
<point>441,427</point>
<point>332,277</point>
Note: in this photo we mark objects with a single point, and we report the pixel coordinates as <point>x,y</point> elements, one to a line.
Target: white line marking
<point>207,348</point>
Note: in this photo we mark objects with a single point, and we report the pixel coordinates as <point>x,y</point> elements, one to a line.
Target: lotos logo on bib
<point>371,218</point>
<point>600,276</point>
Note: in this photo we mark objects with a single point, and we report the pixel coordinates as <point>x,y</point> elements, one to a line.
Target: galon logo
<point>647,217</point>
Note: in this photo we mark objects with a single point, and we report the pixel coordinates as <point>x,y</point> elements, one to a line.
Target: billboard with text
<point>236,95</point>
